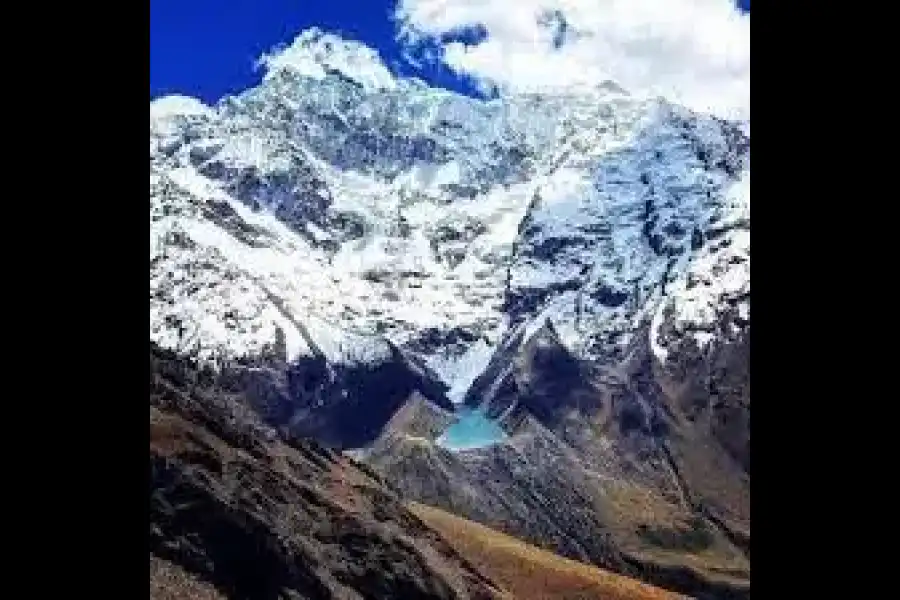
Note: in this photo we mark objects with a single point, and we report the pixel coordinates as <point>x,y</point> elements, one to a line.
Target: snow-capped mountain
<point>338,212</point>
<point>357,254</point>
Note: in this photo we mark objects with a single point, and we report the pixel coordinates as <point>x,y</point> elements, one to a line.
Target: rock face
<point>356,255</point>
<point>341,406</point>
<point>238,512</point>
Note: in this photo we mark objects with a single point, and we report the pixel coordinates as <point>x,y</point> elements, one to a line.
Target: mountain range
<point>369,264</point>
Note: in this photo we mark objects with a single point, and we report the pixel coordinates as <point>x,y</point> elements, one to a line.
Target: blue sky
<point>207,48</point>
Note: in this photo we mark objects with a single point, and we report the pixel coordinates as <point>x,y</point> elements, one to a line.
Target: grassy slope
<point>529,573</point>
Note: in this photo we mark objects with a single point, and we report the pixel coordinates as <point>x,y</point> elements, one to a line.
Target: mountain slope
<point>238,512</point>
<point>645,461</point>
<point>514,565</point>
<point>345,215</point>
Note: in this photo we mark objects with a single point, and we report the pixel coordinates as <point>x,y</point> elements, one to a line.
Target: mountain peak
<point>315,52</point>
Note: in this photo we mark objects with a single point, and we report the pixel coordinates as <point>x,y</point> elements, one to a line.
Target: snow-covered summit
<point>335,211</point>
<point>314,53</point>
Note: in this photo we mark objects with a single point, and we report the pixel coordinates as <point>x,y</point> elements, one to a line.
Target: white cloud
<point>694,52</point>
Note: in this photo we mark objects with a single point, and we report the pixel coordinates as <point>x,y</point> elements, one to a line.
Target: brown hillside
<point>238,512</point>
<point>529,573</point>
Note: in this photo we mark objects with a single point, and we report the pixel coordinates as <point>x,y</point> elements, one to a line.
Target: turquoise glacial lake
<point>473,429</point>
